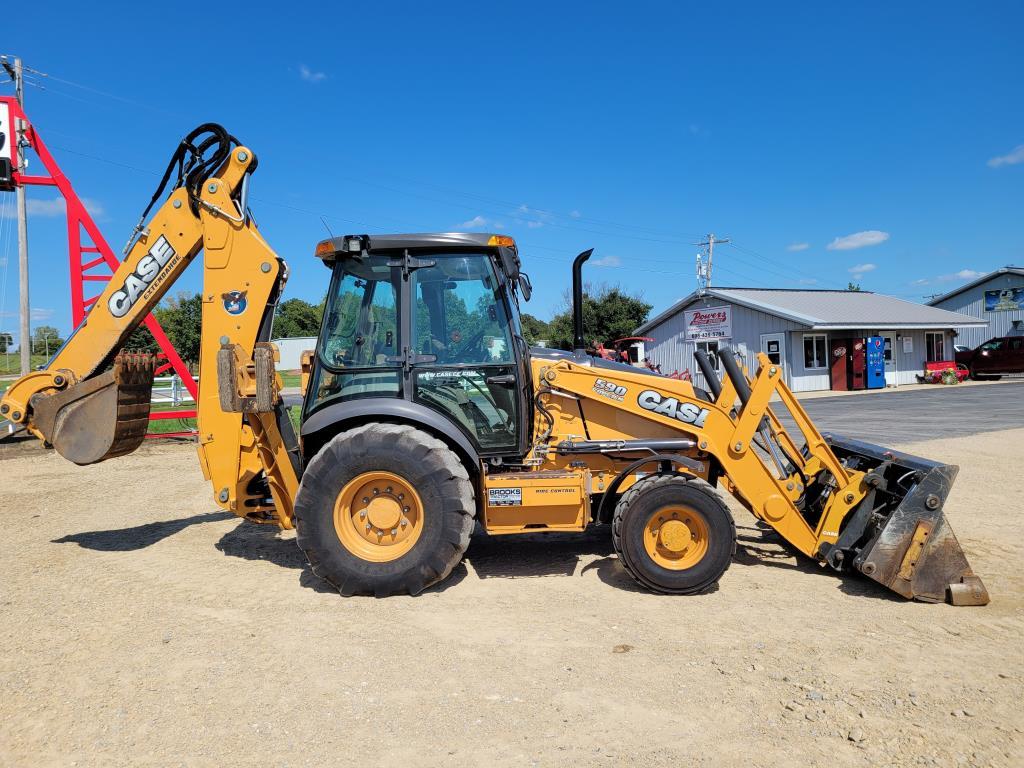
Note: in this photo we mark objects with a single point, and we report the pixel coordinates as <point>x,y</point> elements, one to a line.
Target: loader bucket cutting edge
<point>101,417</point>
<point>908,545</point>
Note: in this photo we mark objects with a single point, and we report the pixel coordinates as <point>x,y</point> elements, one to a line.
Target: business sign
<point>1004,300</point>
<point>6,132</point>
<point>708,323</point>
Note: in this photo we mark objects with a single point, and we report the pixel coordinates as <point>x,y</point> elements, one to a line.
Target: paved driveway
<point>902,417</point>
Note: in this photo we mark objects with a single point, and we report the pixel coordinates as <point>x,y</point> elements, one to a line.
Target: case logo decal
<point>688,413</point>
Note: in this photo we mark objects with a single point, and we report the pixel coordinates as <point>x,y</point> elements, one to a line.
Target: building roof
<point>838,310</point>
<point>1007,270</point>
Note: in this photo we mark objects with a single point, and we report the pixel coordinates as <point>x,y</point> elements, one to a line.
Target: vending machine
<point>858,364</point>
<point>875,362</point>
<point>839,368</point>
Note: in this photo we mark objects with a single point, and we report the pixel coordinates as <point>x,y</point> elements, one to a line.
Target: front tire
<point>672,535</point>
<point>384,509</point>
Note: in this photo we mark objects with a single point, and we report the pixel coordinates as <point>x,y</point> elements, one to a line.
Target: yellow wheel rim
<point>378,516</point>
<point>676,537</point>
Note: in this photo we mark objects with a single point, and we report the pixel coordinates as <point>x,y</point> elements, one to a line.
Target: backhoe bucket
<point>899,536</point>
<point>101,417</point>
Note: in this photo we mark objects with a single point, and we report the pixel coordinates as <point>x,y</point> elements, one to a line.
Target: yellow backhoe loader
<point>425,412</point>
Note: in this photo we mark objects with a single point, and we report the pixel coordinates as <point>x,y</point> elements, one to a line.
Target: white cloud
<point>1013,157</point>
<point>607,261</point>
<point>963,274</point>
<point>475,223</point>
<point>808,281</point>
<point>794,247</point>
<point>575,214</point>
<point>858,240</point>
<point>310,76</point>
<point>35,313</point>
<point>921,281</point>
<point>860,269</point>
<point>3,262</point>
<point>535,224</point>
<point>52,207</point>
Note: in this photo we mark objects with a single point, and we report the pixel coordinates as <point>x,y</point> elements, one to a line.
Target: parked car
<point>1001,355</point>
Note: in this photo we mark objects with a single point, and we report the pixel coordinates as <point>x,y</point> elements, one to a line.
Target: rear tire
<point>384,509</point>
<point>672,535</point>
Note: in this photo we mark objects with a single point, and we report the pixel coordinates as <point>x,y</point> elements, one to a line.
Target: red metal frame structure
<point>92,260</point>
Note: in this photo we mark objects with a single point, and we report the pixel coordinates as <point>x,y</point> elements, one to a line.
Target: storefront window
<point>815,354</point>
<point>711,348</point>
<point>935,347</point>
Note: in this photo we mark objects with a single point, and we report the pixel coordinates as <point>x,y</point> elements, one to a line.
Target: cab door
<point>466,362</point>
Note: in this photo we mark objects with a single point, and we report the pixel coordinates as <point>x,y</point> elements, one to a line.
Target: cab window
<point>358,345</point>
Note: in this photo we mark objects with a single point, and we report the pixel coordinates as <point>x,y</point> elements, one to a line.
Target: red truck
<point>998,356</point>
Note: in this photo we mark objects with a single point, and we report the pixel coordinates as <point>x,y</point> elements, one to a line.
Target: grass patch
<point>163,426</point>
<point>291,378</point>
<point>10,364</point>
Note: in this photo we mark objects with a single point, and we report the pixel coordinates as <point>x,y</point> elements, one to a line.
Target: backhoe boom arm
<point>91,402</point>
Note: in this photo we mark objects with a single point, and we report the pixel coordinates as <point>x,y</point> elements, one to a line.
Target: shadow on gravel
<point>759,547</point>
<point>535,555</point>
<point>251,541</point>
<point>138,537</point>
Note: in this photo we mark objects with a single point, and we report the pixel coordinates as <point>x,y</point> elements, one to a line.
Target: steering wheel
<point>470,343</point>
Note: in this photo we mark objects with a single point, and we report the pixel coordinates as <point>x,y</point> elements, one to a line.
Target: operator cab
<point>431,319</point>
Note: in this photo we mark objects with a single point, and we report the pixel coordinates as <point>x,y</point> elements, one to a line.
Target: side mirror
<point>525,286</point>
<point>509,262</point>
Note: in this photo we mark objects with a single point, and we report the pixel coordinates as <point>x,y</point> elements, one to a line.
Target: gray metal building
<point>997,298</point>
<point>797,328</point>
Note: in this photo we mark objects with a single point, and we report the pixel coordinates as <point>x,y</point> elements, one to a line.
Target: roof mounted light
<point>325,248</point>
<point>353,244</point>
<point>502,240</point>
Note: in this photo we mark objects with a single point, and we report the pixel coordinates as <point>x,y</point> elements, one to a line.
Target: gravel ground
<point>142,628</point>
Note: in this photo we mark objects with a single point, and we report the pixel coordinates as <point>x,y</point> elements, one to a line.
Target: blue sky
<point>880,142</point>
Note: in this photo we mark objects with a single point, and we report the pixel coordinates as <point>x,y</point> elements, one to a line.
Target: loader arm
<point>91,401</point>
<point>846,504</point>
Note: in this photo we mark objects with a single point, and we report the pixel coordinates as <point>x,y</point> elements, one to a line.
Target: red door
<point>839,367</point>
<point>858,364</point>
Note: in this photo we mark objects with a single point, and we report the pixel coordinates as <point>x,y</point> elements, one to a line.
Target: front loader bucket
<point>899,535</point>
<point>101,417</point>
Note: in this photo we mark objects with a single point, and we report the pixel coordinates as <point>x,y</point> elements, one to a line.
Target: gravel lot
<point>142,628</point>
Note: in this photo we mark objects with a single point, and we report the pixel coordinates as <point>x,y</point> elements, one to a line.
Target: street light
<point>46,342</point>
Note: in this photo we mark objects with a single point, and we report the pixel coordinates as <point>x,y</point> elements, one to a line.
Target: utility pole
<point>25,345</point>
<point>704,268</point>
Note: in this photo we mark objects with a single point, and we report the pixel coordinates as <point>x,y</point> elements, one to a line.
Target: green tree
<point>181,317</point>
<point>296,318</point>
<point>45,340</point>
<point>852,286</point>
<point>609,313</point>
<point>534,329</point>
<point>141,340</point>
<point>6,342</point>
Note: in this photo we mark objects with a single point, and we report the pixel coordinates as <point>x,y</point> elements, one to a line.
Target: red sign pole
<point>91,261</point>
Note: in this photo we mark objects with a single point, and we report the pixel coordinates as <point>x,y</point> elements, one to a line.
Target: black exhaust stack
<point>578,344</point>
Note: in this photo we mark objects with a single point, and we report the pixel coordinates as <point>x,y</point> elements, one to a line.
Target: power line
<point>542,216</point>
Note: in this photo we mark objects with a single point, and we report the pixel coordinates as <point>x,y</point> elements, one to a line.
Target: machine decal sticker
<point>504,497</point>
<point>235,302</point>
<point>610,390</point>
<point>121,302</point>
<point>688,413</point>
